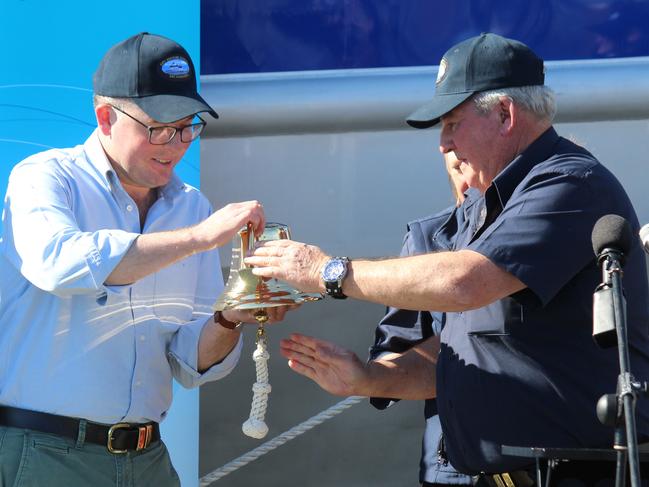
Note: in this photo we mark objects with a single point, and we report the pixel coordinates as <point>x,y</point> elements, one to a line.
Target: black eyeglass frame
<point>174,130</point>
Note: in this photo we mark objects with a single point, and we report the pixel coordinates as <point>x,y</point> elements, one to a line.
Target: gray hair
<point>538,100</point>
<point>109,100</point>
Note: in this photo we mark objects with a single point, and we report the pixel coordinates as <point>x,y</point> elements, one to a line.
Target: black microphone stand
<point>613,409</point>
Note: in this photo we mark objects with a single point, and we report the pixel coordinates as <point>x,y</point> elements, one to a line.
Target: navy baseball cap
<point>481,63</point>
<point>155,73</point>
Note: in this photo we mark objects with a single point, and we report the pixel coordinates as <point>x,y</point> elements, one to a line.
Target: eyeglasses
<point>163,134</point>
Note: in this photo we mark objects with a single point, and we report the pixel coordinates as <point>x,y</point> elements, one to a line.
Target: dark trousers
<point>33,459</point>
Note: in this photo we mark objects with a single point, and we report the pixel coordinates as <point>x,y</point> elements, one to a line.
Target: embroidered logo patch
<point>175,67</point>
<point>442,71</point>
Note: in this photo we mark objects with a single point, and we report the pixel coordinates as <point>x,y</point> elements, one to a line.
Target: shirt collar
<point>506,182</point>
<point>173,187</point>
<point>97,157</point>
<point>472,196</point>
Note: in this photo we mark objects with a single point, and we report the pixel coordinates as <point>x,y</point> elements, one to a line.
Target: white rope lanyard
<point>255,426</point>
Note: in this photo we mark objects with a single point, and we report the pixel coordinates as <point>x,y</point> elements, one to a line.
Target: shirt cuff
<point>183,357</point>
<point>110,247</point>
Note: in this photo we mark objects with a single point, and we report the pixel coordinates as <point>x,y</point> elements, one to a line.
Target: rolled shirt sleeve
<point>550,215</point>
<point>45,242</point>
<point>184,351</point>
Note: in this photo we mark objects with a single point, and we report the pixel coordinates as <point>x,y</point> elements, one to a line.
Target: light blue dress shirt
<point>71,345</point>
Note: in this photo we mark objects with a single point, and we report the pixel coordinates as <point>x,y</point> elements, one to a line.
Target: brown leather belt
<point>118,438</point>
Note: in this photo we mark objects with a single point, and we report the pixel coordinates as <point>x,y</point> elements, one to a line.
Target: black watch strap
<point>335,290</point>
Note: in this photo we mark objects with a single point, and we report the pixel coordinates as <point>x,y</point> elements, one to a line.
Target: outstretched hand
<point>337,370</point>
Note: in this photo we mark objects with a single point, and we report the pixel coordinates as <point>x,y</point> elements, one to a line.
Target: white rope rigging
<point>255,426</point>
<point>279,440</point>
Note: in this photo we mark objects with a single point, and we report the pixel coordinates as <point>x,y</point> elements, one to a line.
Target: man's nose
<point>445,147</point>
<point>445,143</point>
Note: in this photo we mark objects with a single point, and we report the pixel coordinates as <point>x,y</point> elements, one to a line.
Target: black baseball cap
<point>155,73</point>
<point>485,62</point>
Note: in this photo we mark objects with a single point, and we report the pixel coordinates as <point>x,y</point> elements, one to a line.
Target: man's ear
<point>105,118</point>
<point>508,115</point>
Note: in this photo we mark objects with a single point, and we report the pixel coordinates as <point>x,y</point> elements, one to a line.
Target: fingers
<point>266,271</point>
<point>278,313</point>
<point>273,247</point>
<point>305,360</point>
<point>318,360</point>
<point>253,212</point>
<point>266,257</point>
<point>267,253</point>
<point>302,369</point>
<point>221,227</point>
<point>301,358</point>
<point>291,346</point>
<point>312,352</point>
<point>275,314</point>
<point>258,220</point>
<point>300,341</point>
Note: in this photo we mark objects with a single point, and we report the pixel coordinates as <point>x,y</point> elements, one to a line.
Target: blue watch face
<point>333,270</point>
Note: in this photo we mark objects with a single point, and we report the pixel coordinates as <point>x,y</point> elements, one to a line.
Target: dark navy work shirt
<point>525,370</point>
<point>401,329</point>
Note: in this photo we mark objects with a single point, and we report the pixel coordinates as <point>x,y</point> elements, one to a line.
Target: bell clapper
<point>255,426</point>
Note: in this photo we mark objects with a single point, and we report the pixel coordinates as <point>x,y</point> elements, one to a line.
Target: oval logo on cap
<point>175,67</point>
<point>442,71</point>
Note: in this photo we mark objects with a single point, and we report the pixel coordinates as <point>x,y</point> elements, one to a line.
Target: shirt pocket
<point>490,320</point>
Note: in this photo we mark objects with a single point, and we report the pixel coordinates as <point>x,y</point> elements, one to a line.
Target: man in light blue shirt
<point>109,272</point>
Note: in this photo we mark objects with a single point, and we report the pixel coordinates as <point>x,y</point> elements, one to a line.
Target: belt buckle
<point>111,430</point>
<point>503,480</point>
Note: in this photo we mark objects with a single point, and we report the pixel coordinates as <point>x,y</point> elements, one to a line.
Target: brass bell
<point>244,290</point>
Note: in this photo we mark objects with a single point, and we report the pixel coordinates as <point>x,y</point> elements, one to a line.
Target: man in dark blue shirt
<point>517,363</point>
<point>534,348</point>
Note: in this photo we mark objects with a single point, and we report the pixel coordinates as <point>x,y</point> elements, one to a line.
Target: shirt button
<point>138,383</point>
<point>142,338</point>
<point>129,207</point>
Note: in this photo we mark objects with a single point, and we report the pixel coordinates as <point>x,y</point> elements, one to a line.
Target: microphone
<point>612,238</point>
<point>644,237</point>
<point>612,234</point>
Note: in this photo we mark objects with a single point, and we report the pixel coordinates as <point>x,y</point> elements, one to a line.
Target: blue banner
<point>247,36</point>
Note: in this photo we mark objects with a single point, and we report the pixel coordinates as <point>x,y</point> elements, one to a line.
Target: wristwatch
<point>333,274</point>
<point>230,325</point>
